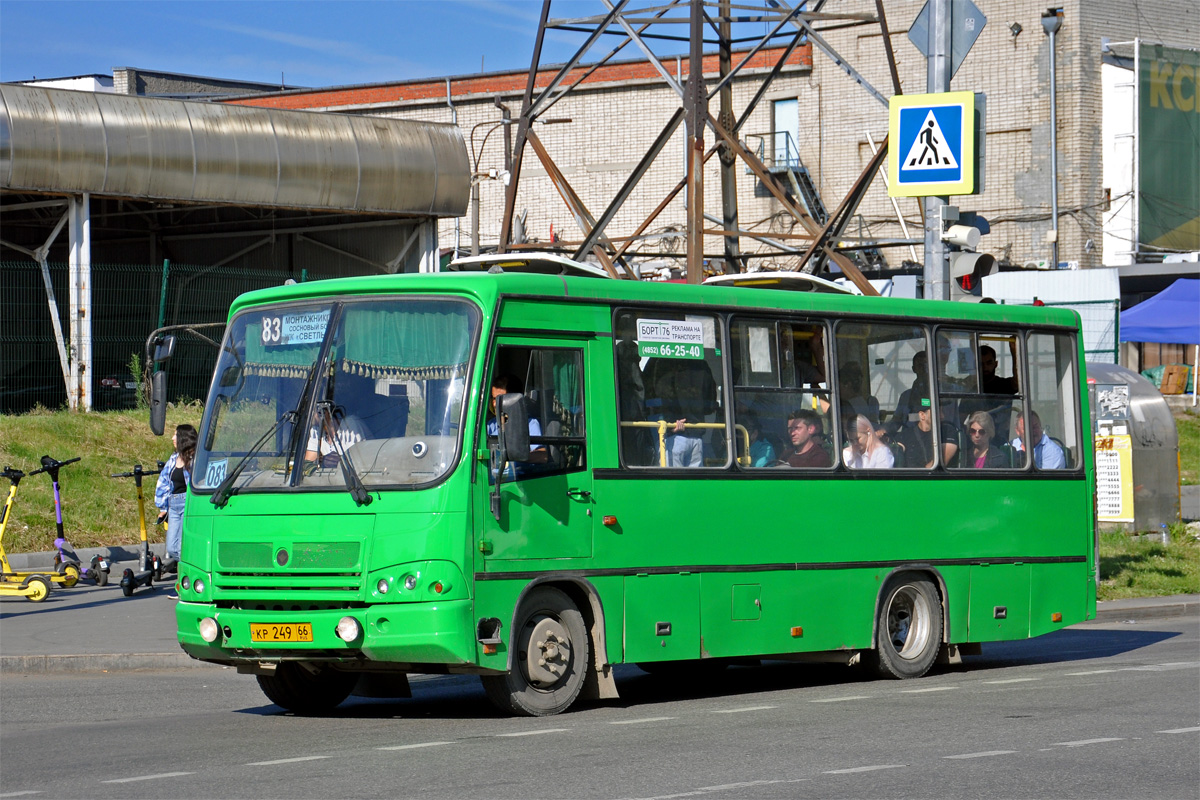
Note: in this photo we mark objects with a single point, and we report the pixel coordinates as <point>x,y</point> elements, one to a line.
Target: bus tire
<point>296,689</point>
<point>550,657</point>
<point>909,630</point>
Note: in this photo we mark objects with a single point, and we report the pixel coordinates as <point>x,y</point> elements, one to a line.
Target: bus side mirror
<point>158,402</point>
<point>513,418</point>
<point>164,348</point>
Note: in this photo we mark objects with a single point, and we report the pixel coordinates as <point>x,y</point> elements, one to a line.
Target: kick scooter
<point>145,573</point>
<point>66,563</point>
<point>32,586</point>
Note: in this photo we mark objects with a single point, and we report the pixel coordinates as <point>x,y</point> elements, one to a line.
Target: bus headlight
<point>410,582</point>
<point>198,585</point>
<point>209,629</point>
<point>348,629</point>
<point>382,586</point>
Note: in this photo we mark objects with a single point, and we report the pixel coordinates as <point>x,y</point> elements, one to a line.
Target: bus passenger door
<point>546,506</point>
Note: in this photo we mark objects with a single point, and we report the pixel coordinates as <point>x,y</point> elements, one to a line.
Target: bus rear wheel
<point>550,657</point>
<point>909,628</point>
<point>296,688</point>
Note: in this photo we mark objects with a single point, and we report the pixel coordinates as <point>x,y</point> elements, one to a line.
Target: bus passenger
<point>688,394</point>
<point>991,383</point>
<point>982,454</point>
<point>511,384</point>
<point>1046,452</point>
<point>910,398</point>
<point>853,395</point>
<point>762,452</point>
<point>864,449</point>
<point>917,440</point>
<point>804,428</point>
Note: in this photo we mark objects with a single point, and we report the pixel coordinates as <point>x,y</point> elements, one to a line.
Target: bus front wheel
<point>909,628</point>
<point>296,688</point>
<point>550,657</point>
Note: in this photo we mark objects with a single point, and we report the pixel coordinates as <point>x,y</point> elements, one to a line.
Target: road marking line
<point>740,710</point>
<point>708,789</point>
<point>284,761</point>
<point>842,699</point>
<point>932,689</point>
<point>150,777</point>
<point>1162,667</point>
<point>639,721</point>
<point>533,733</point>
<point>21,794</point>
<point>984,754</point>
<point>1014,680</point>
<point>1082,742</point>
<point>864,769</point>
<point>1175,730</point>
<point>1092,672</point>
<point>412,746</point>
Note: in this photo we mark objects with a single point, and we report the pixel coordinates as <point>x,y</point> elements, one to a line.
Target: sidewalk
<point>90,628</point>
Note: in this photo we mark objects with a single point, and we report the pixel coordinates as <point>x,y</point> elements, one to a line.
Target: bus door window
<point>1050,429</point>
<point>550,381</point>
<point>682,373</point>
<point>779,378</point>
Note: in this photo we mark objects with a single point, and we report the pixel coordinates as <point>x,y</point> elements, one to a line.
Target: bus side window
<point>681,372</point>
<point>1050,431</point>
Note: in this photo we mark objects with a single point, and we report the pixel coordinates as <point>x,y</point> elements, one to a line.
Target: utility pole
<point>695,103</point>
<point>729,202</point>
<point>1051,22</point>
<point>937,265</point>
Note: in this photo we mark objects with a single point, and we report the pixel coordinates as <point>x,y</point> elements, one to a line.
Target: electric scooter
<point>34,587</point>
<point>145,573</point>
<point>66,563</point>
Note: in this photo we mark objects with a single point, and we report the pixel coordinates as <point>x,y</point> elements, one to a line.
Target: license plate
<point>288,632</point>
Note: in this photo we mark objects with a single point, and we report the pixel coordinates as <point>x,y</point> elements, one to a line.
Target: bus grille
<point>236,556</point>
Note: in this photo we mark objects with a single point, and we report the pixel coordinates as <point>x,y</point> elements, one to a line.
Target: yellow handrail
<point>662,425</point>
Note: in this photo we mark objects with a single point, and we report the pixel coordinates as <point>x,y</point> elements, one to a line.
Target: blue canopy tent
<point>1172,317</point>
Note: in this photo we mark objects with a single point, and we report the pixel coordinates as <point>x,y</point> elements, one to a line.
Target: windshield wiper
<point>353,482</point>
<point>226,489</point>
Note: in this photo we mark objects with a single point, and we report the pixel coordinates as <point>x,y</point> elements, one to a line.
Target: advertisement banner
<point>1168,148</point>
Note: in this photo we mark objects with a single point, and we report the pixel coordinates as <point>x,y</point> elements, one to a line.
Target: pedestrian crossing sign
<point>931,144</point>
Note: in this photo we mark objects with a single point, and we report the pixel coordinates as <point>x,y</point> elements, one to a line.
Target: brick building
<point>618,111</point>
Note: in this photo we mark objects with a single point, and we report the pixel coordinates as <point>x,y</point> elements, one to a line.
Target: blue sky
<point>330,43</point>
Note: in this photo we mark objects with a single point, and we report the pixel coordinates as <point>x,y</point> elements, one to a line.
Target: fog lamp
<point>209,630</point>
<point>348,629</point>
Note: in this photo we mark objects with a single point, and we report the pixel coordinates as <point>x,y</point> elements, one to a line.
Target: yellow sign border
<point>965,100</point>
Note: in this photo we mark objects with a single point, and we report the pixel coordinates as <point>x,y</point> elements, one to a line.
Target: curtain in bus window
<point>412,341</point>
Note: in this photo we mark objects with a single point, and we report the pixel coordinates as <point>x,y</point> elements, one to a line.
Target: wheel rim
<point>41,590</point>
<point>909,621</point>
<point>546,652</point>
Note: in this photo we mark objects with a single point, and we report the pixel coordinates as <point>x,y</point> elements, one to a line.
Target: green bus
<point>534,474</point>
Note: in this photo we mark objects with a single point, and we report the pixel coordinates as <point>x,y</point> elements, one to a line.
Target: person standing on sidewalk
<point>171,489</point>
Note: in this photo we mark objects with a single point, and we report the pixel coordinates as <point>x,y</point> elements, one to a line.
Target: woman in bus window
<point>864,449</point>
<point>982,454</point>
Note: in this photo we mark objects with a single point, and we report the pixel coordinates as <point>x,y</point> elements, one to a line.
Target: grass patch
<point>1142,566</point>
<point>97,510</point>
<point>1188,426</point>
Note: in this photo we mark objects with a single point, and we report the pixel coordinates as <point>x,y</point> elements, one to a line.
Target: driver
<point>321,448</point>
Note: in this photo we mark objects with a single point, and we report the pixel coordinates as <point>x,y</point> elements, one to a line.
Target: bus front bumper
<point>405,633</point>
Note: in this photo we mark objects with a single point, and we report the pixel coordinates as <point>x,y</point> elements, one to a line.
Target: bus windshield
<point>305,391</point>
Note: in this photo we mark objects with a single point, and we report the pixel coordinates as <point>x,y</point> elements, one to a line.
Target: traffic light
<point>966,275</point>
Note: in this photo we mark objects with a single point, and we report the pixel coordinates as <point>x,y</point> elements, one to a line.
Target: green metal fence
<point>128,302</point>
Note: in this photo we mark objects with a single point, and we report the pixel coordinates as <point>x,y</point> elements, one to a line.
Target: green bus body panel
<point>736,565</point>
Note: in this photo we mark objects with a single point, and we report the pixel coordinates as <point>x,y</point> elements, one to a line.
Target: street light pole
<point>937,79</point>
<point>1051,22</point>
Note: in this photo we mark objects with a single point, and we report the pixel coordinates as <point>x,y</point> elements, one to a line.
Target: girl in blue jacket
<point>171,489</point>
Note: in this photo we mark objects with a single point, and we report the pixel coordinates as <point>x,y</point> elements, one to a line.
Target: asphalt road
<point>1096,711</point>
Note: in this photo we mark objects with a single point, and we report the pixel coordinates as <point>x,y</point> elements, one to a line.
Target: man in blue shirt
<point>1046,453</point>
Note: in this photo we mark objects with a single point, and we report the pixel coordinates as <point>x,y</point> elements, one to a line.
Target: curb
<point>100,662</point>
<point>26,562</point>
<point>1148,608</point>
